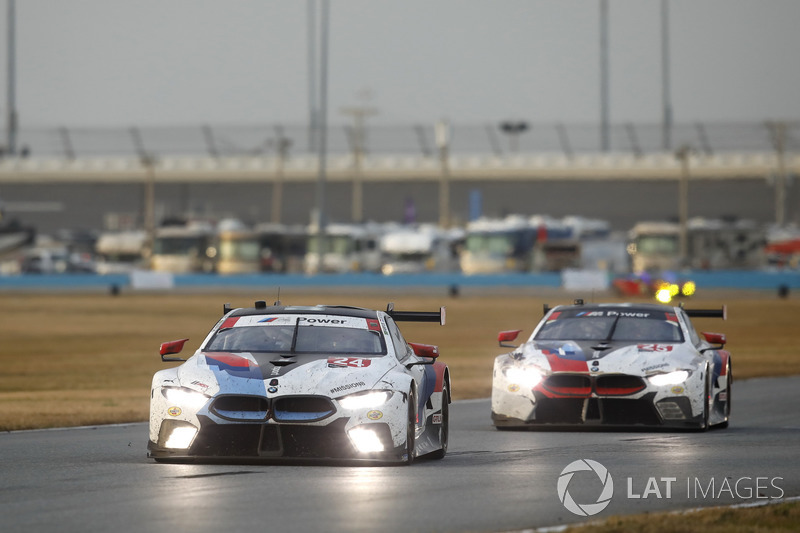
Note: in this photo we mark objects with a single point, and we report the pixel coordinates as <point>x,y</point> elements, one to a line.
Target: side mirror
<point>423,350</point>
<point>505,337</point>
<point>172,347</point>
<point>715,338</point>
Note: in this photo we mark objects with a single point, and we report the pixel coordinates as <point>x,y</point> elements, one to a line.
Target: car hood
<point>608,357</point>
<point>215,373</point>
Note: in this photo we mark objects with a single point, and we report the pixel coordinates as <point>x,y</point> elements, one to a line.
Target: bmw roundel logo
<point>272,389</point>
<point>585,509</point>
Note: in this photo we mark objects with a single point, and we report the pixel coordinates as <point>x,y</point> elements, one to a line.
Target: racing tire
<point>444,430</point>
<point>706,401</point>
<point>411,428</point>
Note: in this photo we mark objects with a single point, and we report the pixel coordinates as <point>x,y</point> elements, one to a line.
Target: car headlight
<point>365,400</point>
<point>670,378</point>
<point>528,376</point>
<point>366,440</point>
<point>181,437</point>
<point>184,397</point>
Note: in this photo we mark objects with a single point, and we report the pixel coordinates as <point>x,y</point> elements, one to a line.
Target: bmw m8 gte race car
<point>614,365</point>
<point>311,382</point>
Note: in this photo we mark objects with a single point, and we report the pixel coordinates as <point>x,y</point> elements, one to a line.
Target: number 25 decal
<point>655,347</point>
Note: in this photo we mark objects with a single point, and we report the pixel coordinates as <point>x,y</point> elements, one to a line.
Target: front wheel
<point>707,401</point>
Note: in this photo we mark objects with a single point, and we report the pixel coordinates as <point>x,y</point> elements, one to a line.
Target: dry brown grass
<point>79,359</point>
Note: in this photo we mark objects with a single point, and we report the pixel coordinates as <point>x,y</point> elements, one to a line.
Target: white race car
<point>614,365</point>
<point>313,382</point>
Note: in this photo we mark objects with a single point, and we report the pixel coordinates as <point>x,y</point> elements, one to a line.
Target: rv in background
<point>265,248</point>
<point>237,249</point>
<point>425,248</point>
<point>347,248</point>
<point>120,252</point>
<point>783,247</point>
<point>13,236</point>
<point>711,245</point>
<point>518,244</point>
<point>184,248</point>
<point>283,248</point>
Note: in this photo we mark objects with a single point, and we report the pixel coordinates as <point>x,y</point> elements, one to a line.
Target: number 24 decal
<point>355,362</point>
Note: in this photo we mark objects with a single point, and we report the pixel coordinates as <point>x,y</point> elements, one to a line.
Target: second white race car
<point>614,365</point>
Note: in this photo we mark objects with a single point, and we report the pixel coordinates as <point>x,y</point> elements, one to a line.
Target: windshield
<point>612,326</point>
<point>298,339</point>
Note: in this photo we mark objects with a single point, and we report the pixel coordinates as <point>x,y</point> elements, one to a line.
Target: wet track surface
<point>98,479</point>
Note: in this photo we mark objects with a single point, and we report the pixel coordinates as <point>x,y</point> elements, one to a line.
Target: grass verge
<point>80,359</point>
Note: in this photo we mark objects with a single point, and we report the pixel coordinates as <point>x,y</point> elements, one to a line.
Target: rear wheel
<point>727,408</point>
<point>444,429</point>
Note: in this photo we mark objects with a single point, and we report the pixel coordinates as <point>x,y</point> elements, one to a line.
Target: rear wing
<point>416,316</point>
<point>722,312</point>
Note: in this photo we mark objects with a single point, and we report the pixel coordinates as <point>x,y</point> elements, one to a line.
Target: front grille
<point>240,407</point>
<point>582,385</point>
<point>569,384</point>
<point>618,385</point>
<point>302,408</point>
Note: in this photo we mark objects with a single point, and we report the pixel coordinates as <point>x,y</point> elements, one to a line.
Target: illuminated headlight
<point>365,400</point>
<point>181,437</point>
<point>672,378</point>
<point>528,376</point>
<point>688,288</point>
<point>663,295</point>
<point>365,440</point>
<point>184,397</point>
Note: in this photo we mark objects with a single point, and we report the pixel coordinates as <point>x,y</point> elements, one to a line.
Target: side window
<point>693,336</point>
<point>400,344</point>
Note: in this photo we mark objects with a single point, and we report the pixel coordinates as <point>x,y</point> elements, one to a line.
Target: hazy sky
<point>189,62</point>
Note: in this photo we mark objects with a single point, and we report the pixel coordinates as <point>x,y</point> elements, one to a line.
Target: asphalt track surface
<point>99,479</point>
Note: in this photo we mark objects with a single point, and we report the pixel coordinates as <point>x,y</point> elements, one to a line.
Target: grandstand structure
<point>95,177</point>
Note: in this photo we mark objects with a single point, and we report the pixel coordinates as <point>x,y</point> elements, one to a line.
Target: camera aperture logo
<point>585,509</point>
